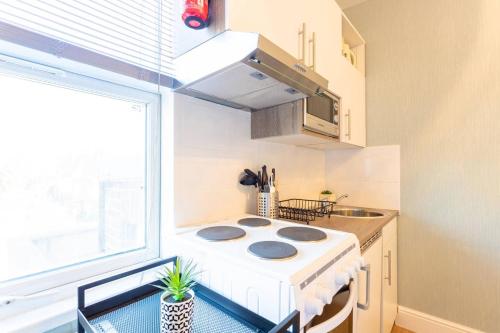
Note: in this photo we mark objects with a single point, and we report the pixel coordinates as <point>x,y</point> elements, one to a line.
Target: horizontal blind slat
<point>103,32</point>
<point>129,5</point>
<point>120,18</point>
<point>135,31</point>
<point>112,50</point>
<point>121,22</point>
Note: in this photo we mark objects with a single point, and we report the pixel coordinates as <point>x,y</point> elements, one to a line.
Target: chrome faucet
<point>342,197</point>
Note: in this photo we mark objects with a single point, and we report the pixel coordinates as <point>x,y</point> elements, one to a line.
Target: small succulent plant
<point>179,280</point>
<point>326,192</point>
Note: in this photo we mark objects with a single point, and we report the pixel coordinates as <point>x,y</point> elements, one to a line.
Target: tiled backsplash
<point>370,176</point>
<point>213,146</point>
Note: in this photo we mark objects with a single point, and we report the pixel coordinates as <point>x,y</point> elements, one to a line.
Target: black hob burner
<point>220,233</point>
<point>302,234</point>
<point>272,250</point>
<point>254,222</point>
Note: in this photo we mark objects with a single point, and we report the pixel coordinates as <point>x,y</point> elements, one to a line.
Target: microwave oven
<point>322,113</point>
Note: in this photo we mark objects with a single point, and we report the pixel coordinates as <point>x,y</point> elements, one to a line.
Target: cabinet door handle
<point>312,50</point>
<point>389,267</point>
<point>366,306</point>
<point>302,43</point>
<point>348,120</point>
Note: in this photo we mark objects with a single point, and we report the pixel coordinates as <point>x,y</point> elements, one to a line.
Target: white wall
<point>212,146</point>
<point>370,176</point>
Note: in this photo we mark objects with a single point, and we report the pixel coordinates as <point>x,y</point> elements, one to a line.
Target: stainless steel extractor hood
<point>246,71</point>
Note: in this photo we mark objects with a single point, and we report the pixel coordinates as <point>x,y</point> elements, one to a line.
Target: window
<point>79,176</point>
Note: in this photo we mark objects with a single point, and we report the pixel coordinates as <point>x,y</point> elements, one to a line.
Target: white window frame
<point>55,281</point>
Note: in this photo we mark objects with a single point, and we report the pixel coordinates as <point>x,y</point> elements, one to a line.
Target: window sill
<point>41,319</point>
<point>63,311</point>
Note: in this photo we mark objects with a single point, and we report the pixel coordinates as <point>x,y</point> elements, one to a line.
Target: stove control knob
<point>324,293</point>
<point>313,306</point>
<point>357,265</point>
<point>352,271</point>
<point>342,279</point>
<point>361,261</point>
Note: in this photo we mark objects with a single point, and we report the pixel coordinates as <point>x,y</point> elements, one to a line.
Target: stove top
<point>309,255</point>
<point>302,234</point>
<point>220,233</point>
<point>272,250</point>
<point>254,222</point>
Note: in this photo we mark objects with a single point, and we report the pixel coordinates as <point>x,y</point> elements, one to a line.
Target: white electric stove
<point>273,267</point>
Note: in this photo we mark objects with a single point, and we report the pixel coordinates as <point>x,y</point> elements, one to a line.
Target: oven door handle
<point>366,306</point>
<point>341,316</point>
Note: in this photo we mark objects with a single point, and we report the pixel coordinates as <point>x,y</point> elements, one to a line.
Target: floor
<point>397,329</point>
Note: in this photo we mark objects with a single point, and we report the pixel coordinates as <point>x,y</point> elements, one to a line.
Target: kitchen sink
<point>356,213</point>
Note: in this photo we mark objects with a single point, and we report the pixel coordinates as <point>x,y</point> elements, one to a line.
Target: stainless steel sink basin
<point>356,213</point>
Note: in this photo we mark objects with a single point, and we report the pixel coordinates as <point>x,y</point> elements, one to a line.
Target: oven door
<point>322,113</point>
<point>340,315</point>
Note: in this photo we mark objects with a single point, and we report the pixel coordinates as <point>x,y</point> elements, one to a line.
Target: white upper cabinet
<point>350,83</point>
<point>353,110</point>
<point>315,32</point>
<point>277,20</point>
<point>308,30</point>
<point>323,30</point>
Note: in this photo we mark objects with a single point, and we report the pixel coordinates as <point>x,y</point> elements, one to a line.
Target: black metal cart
<point>138,311</point>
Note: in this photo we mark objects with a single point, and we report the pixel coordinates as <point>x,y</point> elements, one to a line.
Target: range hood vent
<point>246,71</point>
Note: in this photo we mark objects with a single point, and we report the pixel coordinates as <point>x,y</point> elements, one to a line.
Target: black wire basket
<point>304,210</point>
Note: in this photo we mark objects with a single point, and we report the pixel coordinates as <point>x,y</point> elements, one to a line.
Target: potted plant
<point>177,302</point>
<point>325,195</point>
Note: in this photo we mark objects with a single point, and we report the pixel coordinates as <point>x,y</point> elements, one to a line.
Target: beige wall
<point>433,86</point>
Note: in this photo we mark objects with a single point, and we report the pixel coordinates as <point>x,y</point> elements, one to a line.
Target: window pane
<point>72,176</point>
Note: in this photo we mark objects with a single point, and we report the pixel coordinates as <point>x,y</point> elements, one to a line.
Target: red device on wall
<point>195,14</point>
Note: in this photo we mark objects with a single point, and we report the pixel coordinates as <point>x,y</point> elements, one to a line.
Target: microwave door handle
<point>341,316</point>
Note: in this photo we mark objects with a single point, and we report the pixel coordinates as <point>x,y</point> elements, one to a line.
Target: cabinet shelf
<point>353,38</point>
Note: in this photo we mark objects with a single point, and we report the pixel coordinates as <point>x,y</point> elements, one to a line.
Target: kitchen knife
<point>259,181</point>
<point>265,178</point>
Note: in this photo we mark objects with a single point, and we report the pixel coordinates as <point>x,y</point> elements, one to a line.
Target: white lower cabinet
<point>369,317</point>
<point>382,286</point>
<point>390,276</point>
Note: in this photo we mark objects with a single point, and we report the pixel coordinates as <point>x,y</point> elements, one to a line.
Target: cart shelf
<point>138,310</point>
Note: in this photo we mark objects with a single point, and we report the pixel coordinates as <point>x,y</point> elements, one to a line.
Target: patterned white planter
<point>177,317</point>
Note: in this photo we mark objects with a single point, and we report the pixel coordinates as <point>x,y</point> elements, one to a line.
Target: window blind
<point>133,32</point>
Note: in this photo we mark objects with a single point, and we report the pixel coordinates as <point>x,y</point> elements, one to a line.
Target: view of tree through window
<point>72,176</point>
